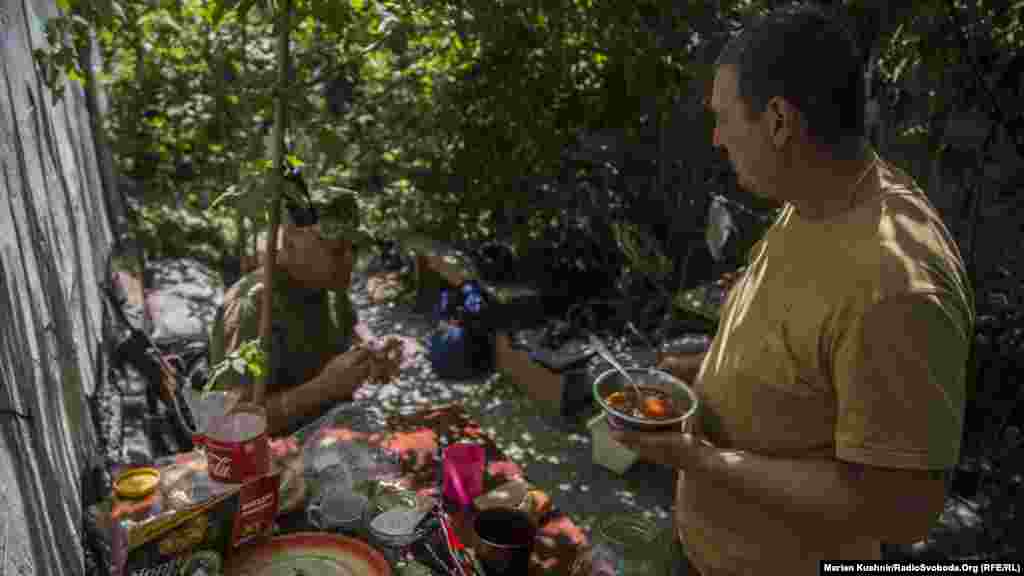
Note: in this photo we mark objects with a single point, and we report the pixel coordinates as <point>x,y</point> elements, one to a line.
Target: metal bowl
<point>394,541</point>
<point>391,499</point>
<point>612,381</point>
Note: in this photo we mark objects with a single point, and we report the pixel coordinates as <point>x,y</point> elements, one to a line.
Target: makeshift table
<point>416,440</point>
<point>413,443</point>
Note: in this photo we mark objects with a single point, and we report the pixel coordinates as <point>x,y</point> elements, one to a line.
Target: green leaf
<point>118,11</point>
<point>215,373</point>
<point>75,76</point>
<point>206,11</point>
<point>294,161</point>
<point>219,9</point>
<point>230,194</point>
<point>64,5</point>
<point>244,7</point>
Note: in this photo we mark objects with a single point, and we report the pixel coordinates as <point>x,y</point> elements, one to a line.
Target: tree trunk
<point>276,180</point>
<point>240,224</point>
<point>222,126</point>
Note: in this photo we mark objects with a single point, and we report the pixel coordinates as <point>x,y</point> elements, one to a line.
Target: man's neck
<point>825,186</point>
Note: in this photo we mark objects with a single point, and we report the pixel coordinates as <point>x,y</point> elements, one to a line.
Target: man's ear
<point>284,229</point>
<point>291,245</point>
<point>783,121</point>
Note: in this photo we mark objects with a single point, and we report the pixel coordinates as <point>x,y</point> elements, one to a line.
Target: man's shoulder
<point>246,291</point>
<point>894,177</point>
<point>235,321</point>
<point>915,246</point>
<point>916,250</point>
<point>905,205</point>
<point>249,289</point>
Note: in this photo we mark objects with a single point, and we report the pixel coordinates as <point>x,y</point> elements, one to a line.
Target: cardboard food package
<point>186,542</point>
<point>189,525</point>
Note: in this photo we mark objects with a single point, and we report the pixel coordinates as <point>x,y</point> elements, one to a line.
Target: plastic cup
<point>207,409</point>
<point>463,466</point>
<point>337,510</point>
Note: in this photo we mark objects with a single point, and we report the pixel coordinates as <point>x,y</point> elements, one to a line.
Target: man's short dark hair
<point>807,56</point>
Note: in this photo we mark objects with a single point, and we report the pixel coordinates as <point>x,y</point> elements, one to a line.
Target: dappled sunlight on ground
<point>555,458</point>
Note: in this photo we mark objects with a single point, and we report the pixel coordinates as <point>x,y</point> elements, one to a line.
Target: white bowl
<point>612,381</point>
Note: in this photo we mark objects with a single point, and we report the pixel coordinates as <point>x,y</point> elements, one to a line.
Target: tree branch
<point>277,183</point>
<point>997,114</point>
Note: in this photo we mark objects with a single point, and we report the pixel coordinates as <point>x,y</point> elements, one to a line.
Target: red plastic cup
<point>237,448</point>
<point>463,466</point>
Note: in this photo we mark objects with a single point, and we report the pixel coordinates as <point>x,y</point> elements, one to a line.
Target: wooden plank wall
<point>54,237</point>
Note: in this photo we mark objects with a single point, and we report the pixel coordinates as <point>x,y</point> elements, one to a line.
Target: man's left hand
<point>385,359</point>
<point>673,449</point>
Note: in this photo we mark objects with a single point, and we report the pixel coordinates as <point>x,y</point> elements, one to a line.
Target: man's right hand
<point>337,382</point>
<point>385,359</point>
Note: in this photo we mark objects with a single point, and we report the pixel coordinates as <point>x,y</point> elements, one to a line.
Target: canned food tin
<point>237,448</point>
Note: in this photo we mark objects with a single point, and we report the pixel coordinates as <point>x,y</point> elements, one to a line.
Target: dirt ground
<point>555,455</point>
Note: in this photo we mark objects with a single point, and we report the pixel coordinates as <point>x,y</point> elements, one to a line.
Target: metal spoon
<point>599,346</point>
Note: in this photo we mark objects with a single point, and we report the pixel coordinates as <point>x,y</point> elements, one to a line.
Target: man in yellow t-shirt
<point>832,396</point>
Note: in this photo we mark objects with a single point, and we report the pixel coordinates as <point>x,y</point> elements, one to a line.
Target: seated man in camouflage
<point>315,363</point>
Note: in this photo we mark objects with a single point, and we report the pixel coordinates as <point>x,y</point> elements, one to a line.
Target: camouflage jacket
<point>309,328</point>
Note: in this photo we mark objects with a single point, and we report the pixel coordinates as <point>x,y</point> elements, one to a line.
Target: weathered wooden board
<point>54,237</point>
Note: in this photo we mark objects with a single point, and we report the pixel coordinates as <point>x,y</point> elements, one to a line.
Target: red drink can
<point>237,448</point>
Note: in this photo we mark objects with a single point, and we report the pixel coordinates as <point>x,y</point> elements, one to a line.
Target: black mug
<point>505,541</point>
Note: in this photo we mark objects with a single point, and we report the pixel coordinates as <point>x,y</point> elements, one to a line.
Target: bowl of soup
<point>664,401</point>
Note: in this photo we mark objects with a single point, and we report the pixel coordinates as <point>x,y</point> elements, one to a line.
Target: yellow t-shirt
<point>847,339</point>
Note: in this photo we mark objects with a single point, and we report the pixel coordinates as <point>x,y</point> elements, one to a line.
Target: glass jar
<point>626,546</point>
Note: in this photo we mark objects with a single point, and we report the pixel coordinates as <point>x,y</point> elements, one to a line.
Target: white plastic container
<point>605,451</point>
